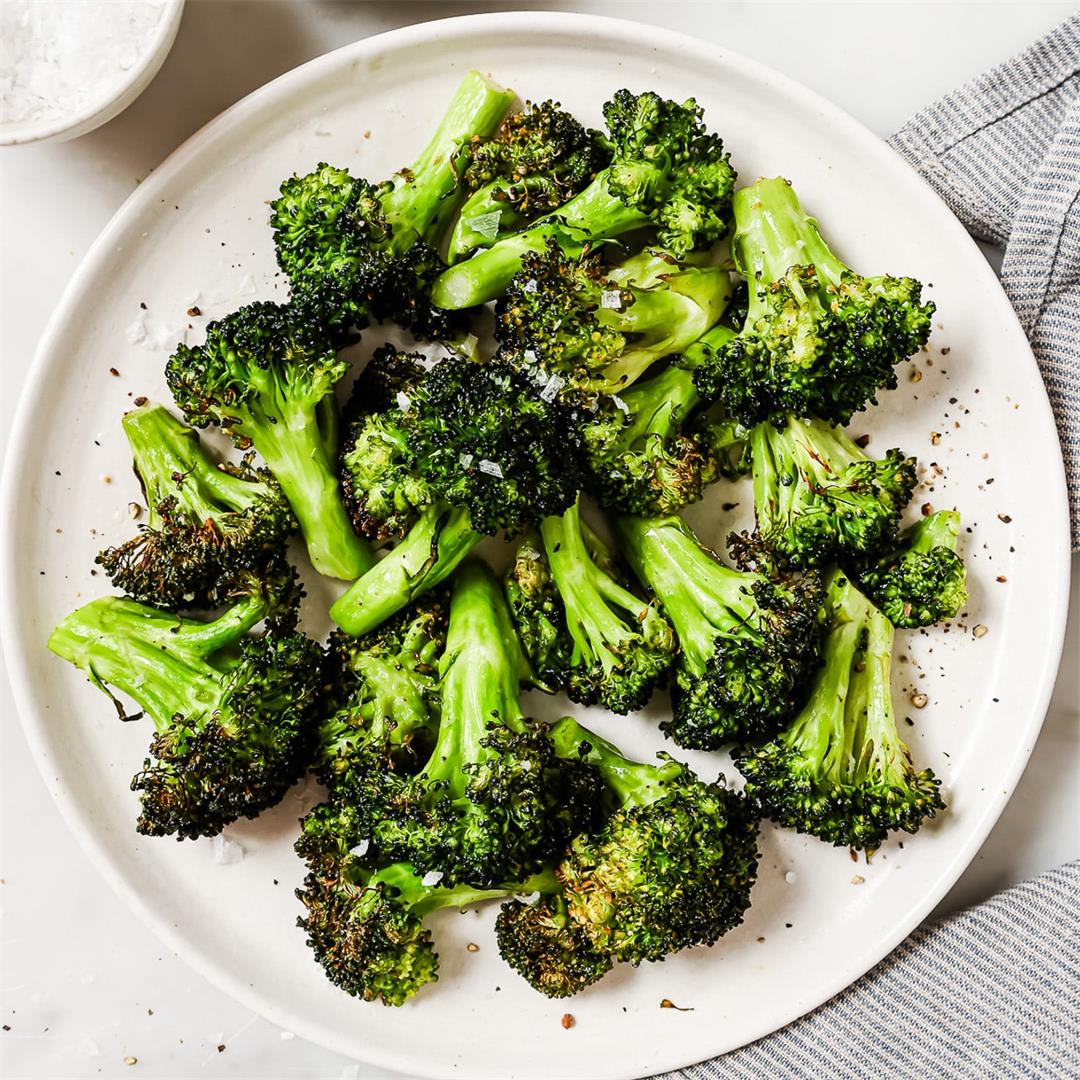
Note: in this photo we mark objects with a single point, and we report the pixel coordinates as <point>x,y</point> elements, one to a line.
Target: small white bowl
<point>119,97</point>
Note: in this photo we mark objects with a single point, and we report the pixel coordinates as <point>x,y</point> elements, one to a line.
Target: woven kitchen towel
<point>1004,153</point>
<point>991,993</point>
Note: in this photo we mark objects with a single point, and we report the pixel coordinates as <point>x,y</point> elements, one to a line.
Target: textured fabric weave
<point>1004,153</point>
<point>991,993</point>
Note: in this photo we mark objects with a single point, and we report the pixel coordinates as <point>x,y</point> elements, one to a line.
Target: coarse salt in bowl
<point>68,66</point>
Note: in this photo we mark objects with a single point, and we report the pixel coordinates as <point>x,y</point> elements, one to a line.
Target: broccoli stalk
<point>745,641</point>
<point>817,496</point>
<point>920,579</point>
<point>621,647</point>
<point>667,172</point>
<point>267,378</point>
<point>437,542</point>
<point>672,867</point>
<point>232,713</point>
<point>819,339</point>
<point>205,521</point>
<point>840,770</point>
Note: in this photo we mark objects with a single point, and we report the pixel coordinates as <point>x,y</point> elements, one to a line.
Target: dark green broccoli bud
<point>355,251</point>
<point>492,803</point>
<point>920,580</point>
<point>234,714</point>
<point>667,172</point>
<point>538,159</point>
<point>579,329</point>
<point>650,450</point>
<point>205,521</point>
<point>817,496</point>
<point>620,646</point>
<point>745,641</point>
<point>840,770</point>
<point>386,696</point>
<point>267,379</point>
<point>819,339</point>
<point>429,554</point>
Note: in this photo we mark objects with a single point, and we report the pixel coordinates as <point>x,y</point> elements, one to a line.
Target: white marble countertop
<point>85,988</point>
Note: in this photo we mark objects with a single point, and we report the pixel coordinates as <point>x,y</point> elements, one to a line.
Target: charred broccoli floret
<point>205,521</point>
<point>819,339</point>
<point>840,770</point>
<point>817,496</point>
<point>537,160</point>
<point>233,713</point>
<point>266,376</point>
<point>357,251</point>
<point>667,172</point>
<point>615,648</point>
<point>672,867</point>
<point>921,579</point>
<point>580,329</point>
<point>492,803</point>
<point>745,642</point>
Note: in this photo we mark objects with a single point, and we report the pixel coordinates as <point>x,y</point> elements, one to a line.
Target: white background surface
<point>82,984</point>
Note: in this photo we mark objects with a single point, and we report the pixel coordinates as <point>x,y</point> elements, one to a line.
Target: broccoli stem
<point>700,595</point>
<point>483,218</point>
<point>428,554</point>
<point>417,203</point>
<point>658,406</point>
<point>695,354</point>
<point>588,593</point>
<point>939,530</point>
<point>423,899</point>
<point>592,214</point>
<point>157,659</point>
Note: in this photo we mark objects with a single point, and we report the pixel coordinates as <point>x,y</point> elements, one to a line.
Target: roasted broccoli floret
<point>921,579</point>
<point>471,448</point>
<point>205,521</point>
<point>667,172</point>
<point>366,925</point>
<point>819,339</point>
<point>385,697</point>
<point>538,158</point>
<point>745,642</point>
<point>580,329</point>
<point>840,769</point>
<point>818,497</point>
<point>649,450</point>
<point>672,867</point>
<point>356,251</point>
<point>266,376</point>
<point>618,646</point>
<point>492,803</point>
<point>234,714</point>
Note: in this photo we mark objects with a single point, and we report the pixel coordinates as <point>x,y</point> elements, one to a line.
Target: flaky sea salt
<point>226,852</point>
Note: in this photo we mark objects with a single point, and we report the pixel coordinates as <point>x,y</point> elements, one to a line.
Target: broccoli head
<point>667,172</point>
<point>840,770</point>
<point>206,521</point>
<point>745,641</point>
<point>819,339</point>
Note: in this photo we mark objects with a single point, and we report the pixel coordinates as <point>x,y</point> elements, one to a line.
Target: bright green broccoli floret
<point>357,251</point>
<point>580,329</point>
<point>538,158</point>
<point>619,647</point>
<point>233,713</point>
<point>745,642</point>
<point>492,803</point>
<point>920,580</point>
<point>819,339</point>
<point>817,496</point>
<point>266,376</point>
<point>667,172</point>
<point>840,769</point>
<point>672,867</point>
<point>205,521</point>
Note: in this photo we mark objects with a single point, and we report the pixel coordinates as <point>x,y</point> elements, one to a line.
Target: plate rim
<point>17,649</point>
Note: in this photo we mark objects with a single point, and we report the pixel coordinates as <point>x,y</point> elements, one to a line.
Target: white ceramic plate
<point>195,233</point>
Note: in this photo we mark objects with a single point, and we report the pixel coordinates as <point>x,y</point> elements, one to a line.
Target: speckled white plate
<point>195,233</point>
